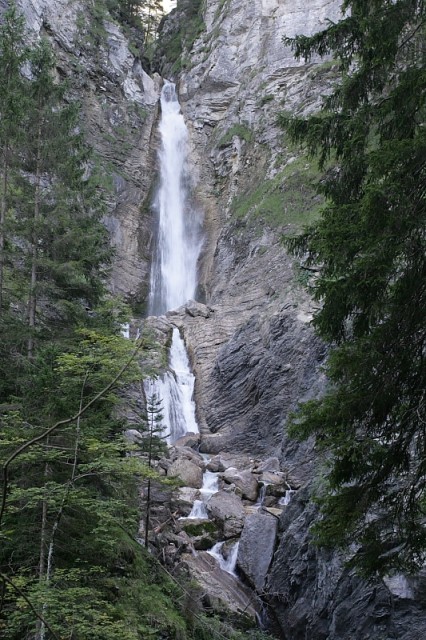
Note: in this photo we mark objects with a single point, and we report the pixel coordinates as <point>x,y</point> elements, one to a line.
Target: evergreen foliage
<point>152,446</point>
<point>371,245</point>
<point>142,14</point>
<point>69,564</point>
<point>13,54</point>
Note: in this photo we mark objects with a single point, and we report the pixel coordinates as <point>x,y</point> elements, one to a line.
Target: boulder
<point>221,591</point>
<point>186,453</point>
<point>190,440</point>
<point>190,473</point>
<point>270,464</point>
<point>133,436</point>
<point>274,477</point>
<point>257,544</point>
<point>228,511</point>
<point>184,499</point>
<point>223,461</point>
<point>244,480</point>
<point>197,309</point>
<point>203,533</point>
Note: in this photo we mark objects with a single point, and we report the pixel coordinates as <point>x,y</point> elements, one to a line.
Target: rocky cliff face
<point>251,346</point>
<point>119,109</point>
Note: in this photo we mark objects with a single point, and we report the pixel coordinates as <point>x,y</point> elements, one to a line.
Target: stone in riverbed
<point>190,473</point>
<point>191,440</point>
<point>228,511</point>
<point>257,544</point>
<point>270,464</point>
<point>244,480</point>
<point>184,452</point>
<point>223,461</point>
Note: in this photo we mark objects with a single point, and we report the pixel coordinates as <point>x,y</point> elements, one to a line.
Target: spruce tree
<point>66,246</point>
<point>13,55</point>
<point>151,444</point>
<point>371,246</point>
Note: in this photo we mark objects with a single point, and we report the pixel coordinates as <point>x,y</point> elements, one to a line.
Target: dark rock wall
<point>315,597</point>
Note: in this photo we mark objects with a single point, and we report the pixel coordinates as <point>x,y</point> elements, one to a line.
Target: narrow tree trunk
<point>43,540</point>
<point>148,489</point>
<point>32,299</point>
<point>70,484</point>
<point>3,208</point>
<point>148,510</point>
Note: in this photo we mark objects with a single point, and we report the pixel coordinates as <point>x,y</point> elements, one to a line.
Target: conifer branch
<point>58,424</point>
<point>29,603</point>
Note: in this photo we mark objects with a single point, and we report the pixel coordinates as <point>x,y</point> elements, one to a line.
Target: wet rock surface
<point>222,591</point>
<point>314,595</point>
<point>227,510</point>
<point>257,545</point>
<point>244,481</point>
<point>188,472</point>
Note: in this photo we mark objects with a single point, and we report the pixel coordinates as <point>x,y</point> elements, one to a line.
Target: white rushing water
<point>176,388</point>
<point>210,486</point>
<point>174,269</point>
<point>174,274</point>
<point>285,500</point>
<point>229,563</point>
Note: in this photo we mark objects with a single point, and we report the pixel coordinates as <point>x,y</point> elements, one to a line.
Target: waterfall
<point>176,388</point>
<point>210,486</point>
<point>174,272</point>
<point>174,268</point>
<point>228,564</point>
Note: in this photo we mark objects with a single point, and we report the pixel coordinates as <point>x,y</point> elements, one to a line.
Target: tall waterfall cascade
<point>174,268</point>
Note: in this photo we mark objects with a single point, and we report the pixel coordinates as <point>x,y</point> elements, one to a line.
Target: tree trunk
<point>3,208</point>
<point>32,299</point>
<point>43,539</point>
<point>148,489</point>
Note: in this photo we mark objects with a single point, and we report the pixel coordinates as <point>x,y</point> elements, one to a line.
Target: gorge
<point>205,185</point>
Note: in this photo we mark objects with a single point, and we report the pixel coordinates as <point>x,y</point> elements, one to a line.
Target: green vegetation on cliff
<point>371,245</point>
<point>289,198</point>
<point>180,35</point>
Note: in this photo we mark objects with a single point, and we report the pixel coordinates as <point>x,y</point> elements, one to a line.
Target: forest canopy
<point>370,244</point>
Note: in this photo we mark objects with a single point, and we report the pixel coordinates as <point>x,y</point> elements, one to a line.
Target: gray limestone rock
<point>195,309</point>
<point>223,592</point>
<point>119,110</point>
<point>256,548</point>
<point>270,464</point>
<point>191,440</point>
<point>184,452</point>
<point>228,511</point>
<point>314,595</point>
<point>244,480</point>
<point>224,461</point>
<point>190,473</point>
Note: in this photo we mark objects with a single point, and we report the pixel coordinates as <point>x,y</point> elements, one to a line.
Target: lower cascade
<point>175,388</point>
<point>229,563</point>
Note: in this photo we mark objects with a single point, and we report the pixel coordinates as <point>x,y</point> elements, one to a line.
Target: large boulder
<point>257,544</point>
<point>222,592</point>
<point>223,461</point>
<point>190,474</point>
<point>190,440</point>
<point>186,453</point>
<point>228,511</point>
<point>244,480</point>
